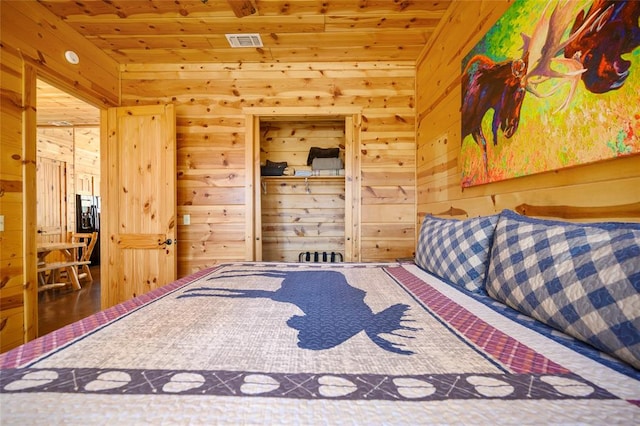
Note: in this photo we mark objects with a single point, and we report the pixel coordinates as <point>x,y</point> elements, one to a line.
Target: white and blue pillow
<point>583,279</point>
<point>456,251</point>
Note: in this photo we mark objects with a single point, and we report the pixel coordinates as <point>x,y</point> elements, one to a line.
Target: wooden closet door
<point>51,200</point>
<point>139,207</point>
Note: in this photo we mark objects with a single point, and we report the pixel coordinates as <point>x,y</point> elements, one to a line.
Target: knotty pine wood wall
<point>79,148</point>
<point>302,215</point>
<point>32,46</point>
<point>604,191</point>
<point>12,282</point>
<point>209,101</point>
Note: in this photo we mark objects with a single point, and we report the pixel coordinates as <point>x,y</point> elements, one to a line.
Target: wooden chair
<point>90,239</point>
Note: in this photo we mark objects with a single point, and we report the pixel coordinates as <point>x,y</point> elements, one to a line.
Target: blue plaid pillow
<point>582,279</point>
<point>456,250</point>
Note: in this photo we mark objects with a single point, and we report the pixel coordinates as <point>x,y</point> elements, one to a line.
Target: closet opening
<point>304,195</point>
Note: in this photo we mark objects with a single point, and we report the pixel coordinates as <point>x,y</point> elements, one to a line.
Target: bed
<point>304,343</point>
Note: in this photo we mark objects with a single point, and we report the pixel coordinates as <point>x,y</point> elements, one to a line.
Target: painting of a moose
<point>552,84</point>
<point>497,86</point>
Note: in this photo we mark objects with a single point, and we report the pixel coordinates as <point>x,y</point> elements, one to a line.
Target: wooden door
<point>139,204</point>
<point>51,200</point>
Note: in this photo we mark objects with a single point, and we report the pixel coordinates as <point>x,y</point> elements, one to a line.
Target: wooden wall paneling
<point>86,160</point>
<point>302,215</point>
<point>388,184</point>
<point>33,42</point>
<point>352,187</point>
<point>379,246</point>
<point>210,172</point>
<point>399,231</point>
<point>12,273</point>
<point>215,104</point>
<point>11,302</point>
<point>55,143</point>
<point>290,141</point>
<point>58,143</point>
<point>620,201</point>
<point>42,38</point>
<point>29,197</point>
<point>253,206</point>
<point>562,194</point>
<point>12,277</point>
<point>79,149</point>
<point>598,191</point>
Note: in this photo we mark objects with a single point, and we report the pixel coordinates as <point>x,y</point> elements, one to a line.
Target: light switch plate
<point>186,219</point>
<point>1,223</point>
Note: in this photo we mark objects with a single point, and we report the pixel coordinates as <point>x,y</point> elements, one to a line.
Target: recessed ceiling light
<point>72,57</point>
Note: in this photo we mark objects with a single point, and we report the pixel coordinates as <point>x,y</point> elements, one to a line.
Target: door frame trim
<point>352,117</point>
<point>31,75</point>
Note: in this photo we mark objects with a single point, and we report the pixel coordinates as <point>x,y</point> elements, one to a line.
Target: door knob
<point>168,242</point>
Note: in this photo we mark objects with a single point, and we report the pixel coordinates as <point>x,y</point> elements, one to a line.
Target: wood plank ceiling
<point>56,108</point>
<point>171,31</point>
<point>178,31</point>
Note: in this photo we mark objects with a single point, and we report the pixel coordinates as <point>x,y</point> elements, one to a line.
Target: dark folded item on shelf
<point>316,152</point>
<point>273,168</point>
<point>279,164</point>
<point>271,171</point>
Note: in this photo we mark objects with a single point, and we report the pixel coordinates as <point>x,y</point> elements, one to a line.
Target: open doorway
<point>68,198</point>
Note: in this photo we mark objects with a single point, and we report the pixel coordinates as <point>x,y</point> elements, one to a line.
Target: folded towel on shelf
<point>304,173</point>
<point>327,164</point>
<point>334,172</point>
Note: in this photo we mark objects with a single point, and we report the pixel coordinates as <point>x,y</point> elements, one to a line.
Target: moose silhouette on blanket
<point>334,311</point>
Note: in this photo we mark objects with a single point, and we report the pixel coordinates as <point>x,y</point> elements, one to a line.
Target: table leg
<point>72,272</point>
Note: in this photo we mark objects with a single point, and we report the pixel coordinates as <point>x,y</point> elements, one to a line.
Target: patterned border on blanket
<point>430,387</point>
<point>582,279</point>
<point>58,338</point>
<point>504,349</point>
<point>456,251</point>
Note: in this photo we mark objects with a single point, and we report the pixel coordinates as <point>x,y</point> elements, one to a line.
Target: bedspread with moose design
<point>271,343</point>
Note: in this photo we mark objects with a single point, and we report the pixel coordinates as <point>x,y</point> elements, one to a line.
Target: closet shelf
<point>314,178</point>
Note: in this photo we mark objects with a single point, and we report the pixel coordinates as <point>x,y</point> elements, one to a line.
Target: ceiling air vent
<point>244,40</point>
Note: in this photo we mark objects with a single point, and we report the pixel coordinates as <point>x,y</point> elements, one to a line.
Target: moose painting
<point>552,84</point>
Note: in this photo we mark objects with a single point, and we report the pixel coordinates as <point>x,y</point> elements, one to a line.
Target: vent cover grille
<point>244,40</point>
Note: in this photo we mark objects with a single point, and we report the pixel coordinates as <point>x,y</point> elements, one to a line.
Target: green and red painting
<point>551,85</point>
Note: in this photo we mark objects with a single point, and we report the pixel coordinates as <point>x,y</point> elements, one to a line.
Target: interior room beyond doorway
<point>68,201</point>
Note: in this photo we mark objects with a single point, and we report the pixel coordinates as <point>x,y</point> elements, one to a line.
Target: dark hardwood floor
<point>59,307</point>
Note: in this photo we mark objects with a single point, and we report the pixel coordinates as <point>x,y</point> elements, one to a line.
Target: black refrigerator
<point>88,220</point>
